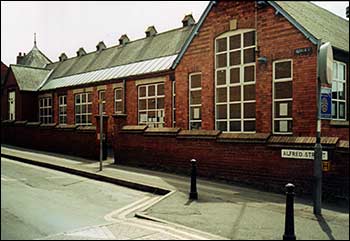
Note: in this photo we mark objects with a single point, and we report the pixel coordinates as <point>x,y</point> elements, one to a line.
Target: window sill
<point>339,123</point>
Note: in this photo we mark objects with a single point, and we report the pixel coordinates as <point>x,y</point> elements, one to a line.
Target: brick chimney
<point>19,58</point>
<point>124,39</point>
<point>188,20</point>
<point>81,52</point>
<point>347,11</point>
<point>63,57</point>
<point>100,46</point>
<point>151,31</point>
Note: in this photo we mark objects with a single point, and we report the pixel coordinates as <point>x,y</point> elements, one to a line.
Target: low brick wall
<point>69,139</point>
<point>247,159</point>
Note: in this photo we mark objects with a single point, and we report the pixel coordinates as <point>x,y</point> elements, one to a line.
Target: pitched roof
<point>35,58</point>
<point>161,45</point>
<point>29,78</point>
<point>319,22</point>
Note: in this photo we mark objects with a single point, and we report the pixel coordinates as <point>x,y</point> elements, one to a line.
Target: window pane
<point>142,117</point>
<point>234,73</point>
<point>235,42</point>
<point>334,109</point>
<point>160,103</point>
<point>221,111</point>
<point>119,107</point>
<point>77,99</point>
<point>195,97</point>
<point>142,91</point>
<point>118,94</point>
<point>341,110</point>
<point>235,93</point>
<point>89,97</point>
<point>221,125</point>
<point>151,90</point>
<point>249,110</point>
<point>221,60</point>
<point>284,90</point>
<point>77,119</point>
<point>160,89</point>
<point>249,55</point>
<point>283,109</point>
<point>142,105</point>
<point>283,70</point>
<point>195,113</point>
<point>195,125</point>
<point>249,74</point>
<point>84,99</point>
<point>249,39</point>
<point>335,70</point>
<point>283,126</point>
<point>195,81</point>
<point>151,104</point>
<point>334,90</point>
<point>77,109</point>
<point>235,126</point>
<point>235,111</point>
<point>235,58</point>
<point>341,91</point>
<point>249,125</point>
<point>221,45</point>
<point>89,109</point>
<point>341,72</point>
<point>249,92</point>
<point>221,77</point>
<point>221,95</point>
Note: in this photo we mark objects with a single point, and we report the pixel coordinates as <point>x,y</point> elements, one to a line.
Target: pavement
<point>222,211</point>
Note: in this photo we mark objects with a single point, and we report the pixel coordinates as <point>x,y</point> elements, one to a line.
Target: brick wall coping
<point>8,122</point>
<point>339,123</point>
<point>66,127</point>
<point>198,134</point>
<point>343,144</point>
<point>161,131</point>
<point>134,129</point>
<point>33,124</point>
<point>243,137</point>
<point>51,125</point>
<point>86,128</point>
<point>20,123</point>
<point>302,140</point>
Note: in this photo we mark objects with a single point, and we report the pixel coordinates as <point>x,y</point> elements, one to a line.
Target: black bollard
<point>289,221</point>
<point>193,192</point>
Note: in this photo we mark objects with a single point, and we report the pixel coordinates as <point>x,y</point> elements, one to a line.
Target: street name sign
<point>302,154</point>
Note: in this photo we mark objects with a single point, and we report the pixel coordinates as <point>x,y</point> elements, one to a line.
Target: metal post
<point>317,178</point>
<point>289,218</point>
<point>193,193</point>
<point>101,133</point>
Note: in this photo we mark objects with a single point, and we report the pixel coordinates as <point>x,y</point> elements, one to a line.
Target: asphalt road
<point>38,202</point>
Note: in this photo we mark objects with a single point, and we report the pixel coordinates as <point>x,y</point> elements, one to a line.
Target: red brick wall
<point>277,39</point>
<point>256,164</point>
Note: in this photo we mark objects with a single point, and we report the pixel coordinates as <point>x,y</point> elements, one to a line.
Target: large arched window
<point>235,81</point>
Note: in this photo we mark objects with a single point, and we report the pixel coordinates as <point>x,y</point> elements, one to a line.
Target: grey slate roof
<point>321,23</point>
<point>29,78</point>
<point>35,58</point>
<point>161,45</point>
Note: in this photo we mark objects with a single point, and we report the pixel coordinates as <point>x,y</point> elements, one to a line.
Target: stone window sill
<point>338,123</point>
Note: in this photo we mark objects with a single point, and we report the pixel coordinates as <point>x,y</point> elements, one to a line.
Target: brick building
<point>234,85</point>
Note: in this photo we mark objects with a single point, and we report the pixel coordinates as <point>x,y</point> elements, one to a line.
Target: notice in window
<point>283,126</point>
<point>143,117</point>
<point>196,113</point>
<point>283,109</point>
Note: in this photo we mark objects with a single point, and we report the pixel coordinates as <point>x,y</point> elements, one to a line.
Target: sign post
<point>101,132</point>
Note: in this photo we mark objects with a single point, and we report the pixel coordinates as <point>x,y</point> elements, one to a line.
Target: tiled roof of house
<point>161,45</point>
<point>321,23</point>
<point>29,78</point>
<point>35,58</point>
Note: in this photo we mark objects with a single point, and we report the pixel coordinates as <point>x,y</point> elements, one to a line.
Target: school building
<point>236,91</point>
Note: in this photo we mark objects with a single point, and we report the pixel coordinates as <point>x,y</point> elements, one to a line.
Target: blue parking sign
<point>326,103</point>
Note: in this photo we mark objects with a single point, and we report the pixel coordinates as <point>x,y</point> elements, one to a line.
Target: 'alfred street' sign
<point>302,154</point>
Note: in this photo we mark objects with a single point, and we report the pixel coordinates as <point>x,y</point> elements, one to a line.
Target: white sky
<point>67,26</point>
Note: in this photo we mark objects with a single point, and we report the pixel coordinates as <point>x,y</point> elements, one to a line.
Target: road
<point>38,202</point>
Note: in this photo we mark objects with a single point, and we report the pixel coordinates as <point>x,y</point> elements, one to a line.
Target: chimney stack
<point>124,39</point>
<point>347,11</point>
<point>100,46</point>
<point>151,31</point>
<point>188,20</point>
<point>19,58</point>
<point>81,52</point>
<point>63,57</point>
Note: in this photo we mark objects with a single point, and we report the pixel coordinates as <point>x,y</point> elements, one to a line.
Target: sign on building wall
<point>302,154</point>
<point>326,103</point>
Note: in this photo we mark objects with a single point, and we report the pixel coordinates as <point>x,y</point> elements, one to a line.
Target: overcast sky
<point>67,26</point>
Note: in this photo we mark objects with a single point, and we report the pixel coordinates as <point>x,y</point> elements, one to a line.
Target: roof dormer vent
<point>100,46</point>
<point>124,39</point>
<point>188,20</point>
<point>151,31</point>
<point>81,52</point>
<point>63,57</point>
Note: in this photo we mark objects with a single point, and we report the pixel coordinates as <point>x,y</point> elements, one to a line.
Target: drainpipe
<point>124,96</point>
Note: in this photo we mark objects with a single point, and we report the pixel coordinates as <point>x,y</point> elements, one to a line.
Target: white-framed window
<point>45,110</point>
<point>118,100</point>
<point>62,109</point>
<point>102,96</point>
<point>174,103</point>
<point>195,101</point>
<point>235,77</point>
<point>339,91</point>
<point>151,105</point>
<point>282,92</point>
<point>12,105</point>
<point>83,109</point>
